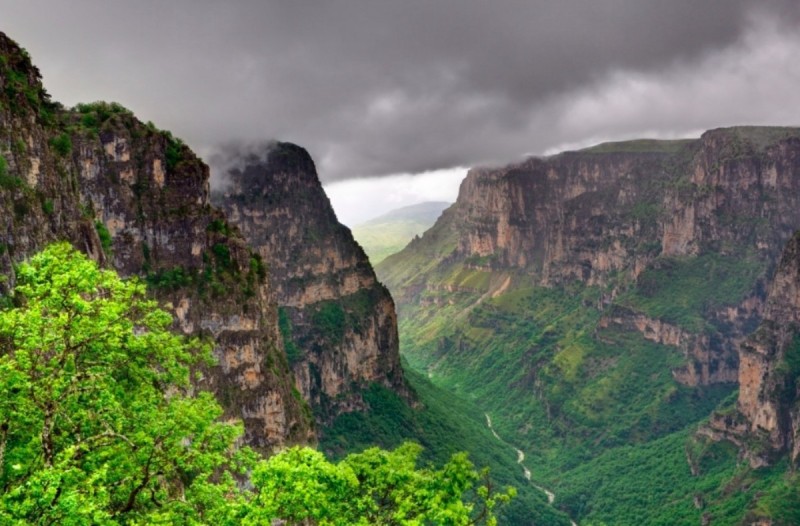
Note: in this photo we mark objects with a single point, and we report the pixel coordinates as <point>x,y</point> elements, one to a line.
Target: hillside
<point>390,232</point>
<point>593,303</point>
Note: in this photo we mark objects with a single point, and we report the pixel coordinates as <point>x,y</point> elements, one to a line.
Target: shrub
<point>62,144</point>
<point>104,235</point>
<point>6,180</point>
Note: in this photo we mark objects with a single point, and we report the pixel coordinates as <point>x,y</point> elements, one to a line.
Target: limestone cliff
<point>587,214</point>
<point>137,199</point>
<point>338,320</point>
<point>766,420</point>
<point>621,217</point>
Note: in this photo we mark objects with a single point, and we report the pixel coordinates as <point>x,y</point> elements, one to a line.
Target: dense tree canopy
<point>373,487</point>
<point>99,425</point>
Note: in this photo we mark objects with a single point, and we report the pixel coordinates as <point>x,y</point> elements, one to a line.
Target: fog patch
<point>235,157</point>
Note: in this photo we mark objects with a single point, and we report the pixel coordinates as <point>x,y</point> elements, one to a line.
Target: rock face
<point>766,422</point>
<point>584,215</point>
<point>705,365</point>
<point>338,320</point>
<point>137,200</point>
<point>605,215</point>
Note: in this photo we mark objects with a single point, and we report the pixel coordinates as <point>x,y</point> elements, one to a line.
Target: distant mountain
<point>391,232</point>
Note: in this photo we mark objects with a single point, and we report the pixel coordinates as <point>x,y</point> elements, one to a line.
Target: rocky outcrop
<point>708,362</point>
<point>38,193</point>
<point>766,421</point>
<point>137,199</point>
<point>338,320</point>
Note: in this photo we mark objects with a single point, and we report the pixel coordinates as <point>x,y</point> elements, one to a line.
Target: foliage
<point>174,151</point>
<point>781,501</point>
<point>62,144</point>
<point>444,424</point>
<point>92,116</point>
<point>6,180</point>
<point>104,235</point>
<point>257,268</point>
<point>219,274</point>
<point>666,493</point>
<point>222,254</point>
<point>603,387</point>
<point>170,279</point>
<point>329,319</point>
<point>373,487</point>
<point>98,424</point>
<point>293,352</point>
<point>23,89</point>
<point>220,226</point>
<point>48,207</point>
<point>558,386</point>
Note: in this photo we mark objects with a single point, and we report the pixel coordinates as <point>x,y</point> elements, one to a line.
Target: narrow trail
<point>551,497</point>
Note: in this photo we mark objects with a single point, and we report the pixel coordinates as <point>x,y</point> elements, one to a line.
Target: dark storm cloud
<point>376,87</point>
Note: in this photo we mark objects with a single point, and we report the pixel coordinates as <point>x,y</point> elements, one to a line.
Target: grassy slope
<point>445,424</point>
<point>680,290</point>
<point>596,411</point>
<point>389,233</point>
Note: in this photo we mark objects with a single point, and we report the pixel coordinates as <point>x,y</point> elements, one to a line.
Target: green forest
<point>101,425</point>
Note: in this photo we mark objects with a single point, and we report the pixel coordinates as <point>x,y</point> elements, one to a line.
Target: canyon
<point>637,299</point>
<point>613,297</point>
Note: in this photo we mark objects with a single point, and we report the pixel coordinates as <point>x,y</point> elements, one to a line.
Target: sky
<point>394,98</point>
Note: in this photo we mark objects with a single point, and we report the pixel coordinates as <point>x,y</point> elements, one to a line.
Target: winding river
<point>520,459</point>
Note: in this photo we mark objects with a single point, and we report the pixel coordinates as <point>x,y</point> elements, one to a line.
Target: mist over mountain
<point>389,233</point>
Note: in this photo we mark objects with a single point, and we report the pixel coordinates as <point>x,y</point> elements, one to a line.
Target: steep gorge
<point>597,300</point>
<point>622,218</point>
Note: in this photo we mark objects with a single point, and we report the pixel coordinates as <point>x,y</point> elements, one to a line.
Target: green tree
<point>97,423</point>
<point>375,487</point>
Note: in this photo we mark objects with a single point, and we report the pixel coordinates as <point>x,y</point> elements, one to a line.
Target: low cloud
<point>359,200</point>
<point>375,88</point>
<point>753,82</point>
<point>230,157</point>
